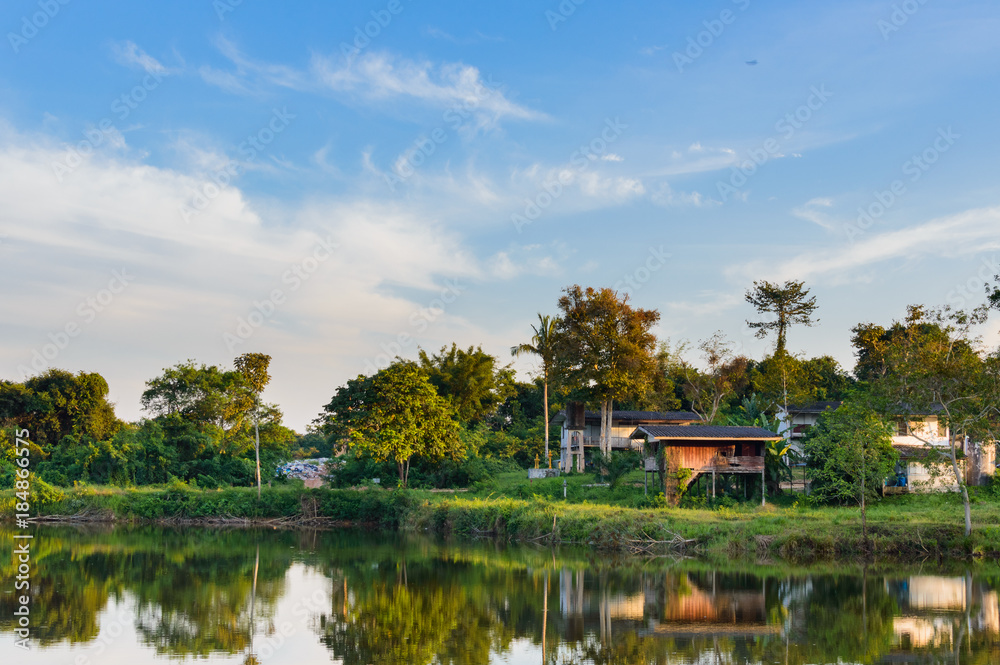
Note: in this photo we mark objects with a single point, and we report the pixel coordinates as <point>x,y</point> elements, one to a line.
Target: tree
<point>253,368</point>
<point>395,414</point>
<point>781,379</point>
<point>604,346</point>
<point>470,380</point>
<point>790,303</point>
<point>58,403</point>
<point>751,413</point>
<point>724,372</point>
<point>542,345</point>
<point>202,395</point>
<point>849,454</point>
<point>934,363</point>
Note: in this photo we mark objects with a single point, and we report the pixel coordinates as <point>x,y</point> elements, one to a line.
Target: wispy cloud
<point>380,76</point>
<point>812,211</point>
<point>130,55</point>
<point>666,196</point>
<point>373,77</point>
<point>478,37</point>
<point>963,234</point>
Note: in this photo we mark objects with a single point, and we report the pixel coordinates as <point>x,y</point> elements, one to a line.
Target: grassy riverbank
<point>905,526</point>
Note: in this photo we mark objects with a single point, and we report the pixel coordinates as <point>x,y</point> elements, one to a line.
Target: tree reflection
<point>398,600</point>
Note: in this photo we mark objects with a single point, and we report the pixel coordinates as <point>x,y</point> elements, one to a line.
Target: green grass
<point>908,527</point>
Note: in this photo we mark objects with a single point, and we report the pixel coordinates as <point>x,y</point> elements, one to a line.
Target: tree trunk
<point>611,423</point>
<point>864,512</point>
<point>961,484</point>
<point>545,397</point>
<point>256,448</point>
<point>604,424</point>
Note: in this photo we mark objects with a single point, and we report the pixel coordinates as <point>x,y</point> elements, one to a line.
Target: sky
<point>335,184</point>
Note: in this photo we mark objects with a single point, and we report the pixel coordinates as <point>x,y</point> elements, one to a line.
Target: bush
<point>616,465</point>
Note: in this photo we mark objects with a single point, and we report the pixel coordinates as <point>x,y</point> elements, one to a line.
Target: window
<point>902,428</point>
<point>942,429</point>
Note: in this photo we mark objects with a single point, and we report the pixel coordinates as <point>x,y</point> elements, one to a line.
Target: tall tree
<point>849,454</point>
<point>542,345</point>
<point>203,394</point>
<point>58,403</point>
<point>395,414</point>
<point>724,372</point>
<point>790,303</point>
<point>253,368</point>
<point>471,380</point>
<point>605,347</point>
<point>936,364</point>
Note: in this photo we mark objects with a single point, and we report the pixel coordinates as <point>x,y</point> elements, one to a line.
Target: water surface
<point>103,595</point>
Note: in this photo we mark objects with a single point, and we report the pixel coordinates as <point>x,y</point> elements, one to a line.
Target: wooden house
<point>704,450</point>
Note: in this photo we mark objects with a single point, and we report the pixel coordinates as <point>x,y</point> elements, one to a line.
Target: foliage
<point>253,368</point>
<point>849,451</point>
<point>469,380</point>
<point>725,373</point>
<point>932,363</point>
<point>615,465</point>
<point>789,303</point>
<point>203,395</point>
<point>395,414</point>
<point>604,344</point>
<point>58,403</point>
<point>311,445</point>
<point>542,345</point>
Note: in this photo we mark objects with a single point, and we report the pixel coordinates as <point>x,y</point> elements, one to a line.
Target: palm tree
<point>543,346</point>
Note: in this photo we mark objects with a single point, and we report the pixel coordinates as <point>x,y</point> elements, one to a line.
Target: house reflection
<point>938,612</point>
<point>676,605</point>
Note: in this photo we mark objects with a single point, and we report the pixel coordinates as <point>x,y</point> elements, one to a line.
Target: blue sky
<point>263,179</point>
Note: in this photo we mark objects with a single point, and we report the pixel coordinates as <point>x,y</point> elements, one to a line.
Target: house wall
<point>936,478</point>
<point>923,432</point>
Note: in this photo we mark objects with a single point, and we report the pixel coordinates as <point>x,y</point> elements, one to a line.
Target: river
<point>103,595</point>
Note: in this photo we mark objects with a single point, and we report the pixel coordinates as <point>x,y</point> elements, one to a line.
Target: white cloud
<point>519,260</point>
<point>812,211</point>
<point>376,77</point>
<point>130,55</point>
<point>667,197</point>
<point>380,76</point>
<point>612,157</point>
<point>192,282</point>
<point>962,234</point>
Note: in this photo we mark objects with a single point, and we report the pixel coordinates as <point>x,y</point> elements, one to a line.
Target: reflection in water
<point>251,597</point>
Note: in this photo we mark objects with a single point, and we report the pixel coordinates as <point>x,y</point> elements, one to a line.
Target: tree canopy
<point>396,414</point>
<point>604,344</point>
<point>56,404</point>
<point>470,380</point>
<point>790,303</point>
